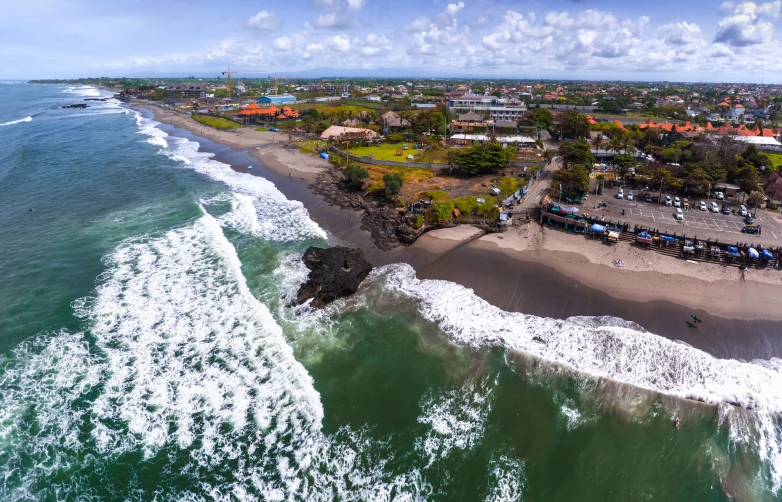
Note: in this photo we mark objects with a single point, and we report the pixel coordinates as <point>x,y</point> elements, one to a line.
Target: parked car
<point>648,197</point>
<point>677,202</point>
<point>719,195</point>
<point>751,229</point>
<point>686,203</point>
<point>743,210</point>
<point>715,208</point>
<point>630,195</point>
<point>725,209</point>
<point>748,220</point>
<point>679,214</point>
<point>668,200</point>
<point>621,194</point>
<point>702,206</point>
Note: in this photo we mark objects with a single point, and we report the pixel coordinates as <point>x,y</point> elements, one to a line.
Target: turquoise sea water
<point>147,351</point>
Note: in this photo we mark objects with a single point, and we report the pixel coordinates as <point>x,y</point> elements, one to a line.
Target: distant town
<point>696,139</point>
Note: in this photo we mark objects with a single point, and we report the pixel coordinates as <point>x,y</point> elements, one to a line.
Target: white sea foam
<point>279,219</point>
<point>157,140</point>
<point>185,363</point>
<point>26,119</point>
<point>617,352</point>
<point>506,479</point>
<point>456,420</point>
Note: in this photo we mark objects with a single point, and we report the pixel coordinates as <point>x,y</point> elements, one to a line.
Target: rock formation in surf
<point>334,273</point>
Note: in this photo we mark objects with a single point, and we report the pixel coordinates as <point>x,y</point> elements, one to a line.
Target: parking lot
<point>715,225</point>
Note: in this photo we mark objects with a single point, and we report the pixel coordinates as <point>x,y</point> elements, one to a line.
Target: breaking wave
<point>616,350</point>
<point>279,219</point>
<point>26,119</point>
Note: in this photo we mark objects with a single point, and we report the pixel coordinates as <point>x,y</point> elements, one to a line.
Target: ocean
<point>148,350</point>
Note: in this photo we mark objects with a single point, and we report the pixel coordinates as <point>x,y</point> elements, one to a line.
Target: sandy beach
<point>545,271</point>
<point>268,147</point>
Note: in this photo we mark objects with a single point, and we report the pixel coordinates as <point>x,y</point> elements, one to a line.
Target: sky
<point>681,40</point>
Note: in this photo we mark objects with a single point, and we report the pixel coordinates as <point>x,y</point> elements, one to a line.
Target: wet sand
<point>539,283</point>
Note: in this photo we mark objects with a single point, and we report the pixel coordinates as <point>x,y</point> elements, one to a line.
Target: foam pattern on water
<point>456,420</point>
<point>278,219</point>
<point>614,351</point>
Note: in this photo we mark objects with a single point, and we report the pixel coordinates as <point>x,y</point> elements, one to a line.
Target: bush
<point>305,150</point>
<point>444,210</point>
<point>393,183</point>
<point>396,138</point>
<point>419,221</point>
<point>355,174</point>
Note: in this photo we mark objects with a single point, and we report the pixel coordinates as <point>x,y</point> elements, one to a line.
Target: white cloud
<point>332,20</point>
<point>356,4</point>
<point>682,34</point>
<point>339,43</point>
<point>283,44</point>
<point>453,8</point>
<point>264,20</point>
<point>750,24</point>
<point>373,45</point>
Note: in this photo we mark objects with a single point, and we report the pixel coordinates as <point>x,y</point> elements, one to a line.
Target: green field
<point>776,159</point>
<point>385,151</point>
<point>261,129</point>
<point>216,122</point>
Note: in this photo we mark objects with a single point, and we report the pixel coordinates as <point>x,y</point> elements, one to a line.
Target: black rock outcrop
<point>334,273</point>
<point>77,105</point>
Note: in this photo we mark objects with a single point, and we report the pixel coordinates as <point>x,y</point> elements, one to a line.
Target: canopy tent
<point>733,250</point>
<point>753,253</point>
<point>571,209</point>
<point>766,254</point>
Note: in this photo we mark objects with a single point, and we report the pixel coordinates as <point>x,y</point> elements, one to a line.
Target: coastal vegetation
<point>481,158</point>
<point>216,122</point>
<point>384,151</point>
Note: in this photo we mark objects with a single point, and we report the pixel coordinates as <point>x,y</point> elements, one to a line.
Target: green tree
<point>747,178</point>
<point>574,153</point>
<point>622,162</point>
<point>393,183</point>
<point>698,181</point>
<point>355,175</point>
<point>573,124</point>
<point>575,177</point>
<point>482,157</point>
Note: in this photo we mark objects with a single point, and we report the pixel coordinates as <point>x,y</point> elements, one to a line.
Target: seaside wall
<point>367,160</point>
<point>376,162</point>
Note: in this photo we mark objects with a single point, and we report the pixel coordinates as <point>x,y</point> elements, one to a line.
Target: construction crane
<point>277,82</point>
<point>239,71</point>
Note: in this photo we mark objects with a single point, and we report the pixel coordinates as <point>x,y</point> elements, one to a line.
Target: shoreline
<point>540,271</point>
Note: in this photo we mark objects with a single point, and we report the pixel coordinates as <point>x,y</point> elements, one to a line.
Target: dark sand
<point>511,282</point>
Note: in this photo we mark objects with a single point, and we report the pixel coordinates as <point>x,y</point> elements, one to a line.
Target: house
<point>277,100</point>
<point>186,91</point>
<point>470,117</point>
<point>394,121</point>
<point>736,112</point>
<point>335,132</point>
<point>773,189</point>
<point>374,97</point>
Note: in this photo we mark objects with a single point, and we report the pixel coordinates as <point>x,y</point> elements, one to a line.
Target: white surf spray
<point>20,121</point>
<point>279,219</point>
<point>615,351</point>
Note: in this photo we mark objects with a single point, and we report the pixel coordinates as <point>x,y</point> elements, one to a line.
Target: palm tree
<point>598,141</point>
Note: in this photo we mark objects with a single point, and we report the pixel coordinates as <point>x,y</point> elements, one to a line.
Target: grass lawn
<point>261,129</point>
<point>310,145</point>
<point>385,151</point>
<point>776,159</point>
<point>216,122</point>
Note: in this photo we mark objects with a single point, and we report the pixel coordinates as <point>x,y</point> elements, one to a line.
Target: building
<point>183,91</point>
<point>277,100</point>
<point>501,112</point>
<point>337,131</point>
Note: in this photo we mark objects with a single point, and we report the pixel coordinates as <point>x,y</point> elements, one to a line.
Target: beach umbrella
<point>767,254</point>
<point>733,250</point>
<point>598,228</point>
<point>753,253</point>
<point>571,209</point>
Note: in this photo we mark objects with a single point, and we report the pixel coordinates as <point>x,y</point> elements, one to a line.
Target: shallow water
<point>148,351</point>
